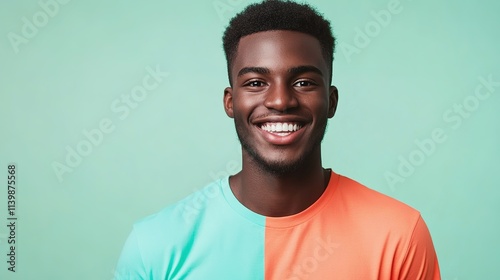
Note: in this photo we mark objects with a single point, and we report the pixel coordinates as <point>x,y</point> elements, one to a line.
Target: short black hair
<point>278,15</point>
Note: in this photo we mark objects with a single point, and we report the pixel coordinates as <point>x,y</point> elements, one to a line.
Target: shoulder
<point>160,238</point>
<point>176,223</point>
<point>372,215</point>
<point>371,202</point>
<point>182,214</point>
<point>383,224</point>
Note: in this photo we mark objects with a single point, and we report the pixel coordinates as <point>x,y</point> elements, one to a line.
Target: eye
<point>254,84</point>
<point>304,83</point>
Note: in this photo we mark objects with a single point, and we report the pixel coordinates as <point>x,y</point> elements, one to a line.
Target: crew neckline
<point>285,221</point>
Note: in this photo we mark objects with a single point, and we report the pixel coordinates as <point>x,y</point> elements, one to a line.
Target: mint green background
<point>393,92</point>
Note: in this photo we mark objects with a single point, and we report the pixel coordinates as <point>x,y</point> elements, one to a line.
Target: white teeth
<point>280,127</point>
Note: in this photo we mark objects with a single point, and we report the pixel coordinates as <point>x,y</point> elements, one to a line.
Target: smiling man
<point>283,216</point>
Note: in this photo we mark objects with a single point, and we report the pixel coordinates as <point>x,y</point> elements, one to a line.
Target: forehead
<point>278,49</point>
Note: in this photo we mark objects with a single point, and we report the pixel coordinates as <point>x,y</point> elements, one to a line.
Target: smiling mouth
<point>280,128</point>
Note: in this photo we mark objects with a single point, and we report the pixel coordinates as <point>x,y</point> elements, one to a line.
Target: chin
<point>278,167</point>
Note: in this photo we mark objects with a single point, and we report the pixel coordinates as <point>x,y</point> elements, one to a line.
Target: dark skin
<point>280,77</point>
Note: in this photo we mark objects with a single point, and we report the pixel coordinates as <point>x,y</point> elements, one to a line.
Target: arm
<point>130,265</point>
<point>420,261</point>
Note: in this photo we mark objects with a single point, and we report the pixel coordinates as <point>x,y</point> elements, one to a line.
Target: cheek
<point>244,105</point>
<point>318,106</point>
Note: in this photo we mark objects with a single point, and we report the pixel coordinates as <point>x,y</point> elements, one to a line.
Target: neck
<point>279,195</point>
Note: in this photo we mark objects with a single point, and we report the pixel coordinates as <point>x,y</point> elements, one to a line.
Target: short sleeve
<point>130,264</point>
<point>420,261</point>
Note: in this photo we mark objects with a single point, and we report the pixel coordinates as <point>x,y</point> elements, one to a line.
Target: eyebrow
<point>258,70</point>
<point>304,69</point>
<point>294,70</point>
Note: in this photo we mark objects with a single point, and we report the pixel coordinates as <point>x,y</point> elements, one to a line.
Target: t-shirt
<point>350,232</point>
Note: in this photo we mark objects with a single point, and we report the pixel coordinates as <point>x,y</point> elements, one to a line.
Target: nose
<point>280,97</point>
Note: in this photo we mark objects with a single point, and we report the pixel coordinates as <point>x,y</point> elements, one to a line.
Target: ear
<point>228,102</point>
<point>333,101</point>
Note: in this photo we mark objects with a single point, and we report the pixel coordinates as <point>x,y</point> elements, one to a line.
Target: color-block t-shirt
<point>350,232</point>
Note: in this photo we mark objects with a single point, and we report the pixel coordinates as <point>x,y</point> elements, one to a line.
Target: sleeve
<point>421,260</point>
<point>130,264</point>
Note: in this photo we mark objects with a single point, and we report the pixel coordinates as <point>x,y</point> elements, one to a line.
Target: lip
<point>278,139</point>
<point>281,140</point>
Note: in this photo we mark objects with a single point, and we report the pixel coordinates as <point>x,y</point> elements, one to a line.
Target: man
<point>283,216</point>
